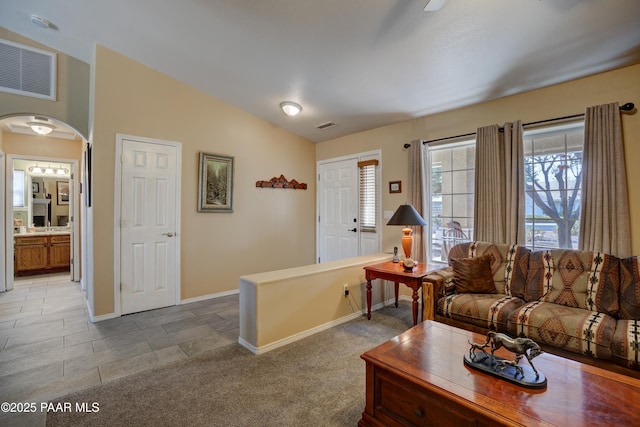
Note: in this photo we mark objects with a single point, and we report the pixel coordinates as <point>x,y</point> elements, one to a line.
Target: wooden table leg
<point>415,307</point>
<point>368,299</point>
<point>397,284</point>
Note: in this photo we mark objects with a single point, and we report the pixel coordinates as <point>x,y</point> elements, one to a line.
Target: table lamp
<point>406,215</point>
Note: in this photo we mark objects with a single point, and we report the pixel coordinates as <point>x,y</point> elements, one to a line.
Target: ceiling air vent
<point>27,71</point>
<point>324,126</point>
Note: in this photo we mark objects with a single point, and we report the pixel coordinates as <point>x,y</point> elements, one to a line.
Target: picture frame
<point>35,187</point>
<point>215,183</point>
<point>62,191</point>
<point>395,186</point>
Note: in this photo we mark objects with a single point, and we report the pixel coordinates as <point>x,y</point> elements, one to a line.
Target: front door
<point>338,210</point>
<point>150,194</point>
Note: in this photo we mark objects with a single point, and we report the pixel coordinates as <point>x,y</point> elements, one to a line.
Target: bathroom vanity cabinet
<point>41,253</point>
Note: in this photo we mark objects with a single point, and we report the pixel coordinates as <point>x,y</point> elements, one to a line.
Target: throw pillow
<point>473,275</point>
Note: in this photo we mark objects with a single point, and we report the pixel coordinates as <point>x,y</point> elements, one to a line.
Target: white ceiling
<point>19,124</point>
<point>359,63</point>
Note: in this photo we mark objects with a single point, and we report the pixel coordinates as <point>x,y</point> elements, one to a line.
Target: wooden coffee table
<point>419,378</point>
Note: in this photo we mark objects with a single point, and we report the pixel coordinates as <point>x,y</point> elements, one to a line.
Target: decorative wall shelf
<point>281,182</point>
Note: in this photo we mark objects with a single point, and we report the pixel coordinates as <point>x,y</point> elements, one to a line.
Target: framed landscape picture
<point>215,183</point>
<point>62,190</point>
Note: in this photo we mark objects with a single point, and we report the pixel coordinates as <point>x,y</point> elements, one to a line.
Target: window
<point>368,200</point>
<point>450,169</point>
<point>18,188</point>
<point>553,174</point>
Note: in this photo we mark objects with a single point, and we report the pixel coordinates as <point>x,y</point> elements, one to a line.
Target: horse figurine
<point>502,364</point>
<point>474,346</point>
<point>519,346</point>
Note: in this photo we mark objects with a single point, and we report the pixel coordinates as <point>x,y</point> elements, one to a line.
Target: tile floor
<point>49,348</point>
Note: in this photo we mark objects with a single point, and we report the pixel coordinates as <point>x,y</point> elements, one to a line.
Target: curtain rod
<point>629,106</point>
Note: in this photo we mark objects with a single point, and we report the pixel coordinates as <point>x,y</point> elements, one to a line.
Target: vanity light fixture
<point>41,128</point>
<point>290,108</point>
<point>35,169</point>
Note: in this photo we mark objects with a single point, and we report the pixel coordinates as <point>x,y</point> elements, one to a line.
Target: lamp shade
<point>406,215</point>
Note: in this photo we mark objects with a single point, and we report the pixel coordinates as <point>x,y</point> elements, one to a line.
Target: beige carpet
<point>317,381</point>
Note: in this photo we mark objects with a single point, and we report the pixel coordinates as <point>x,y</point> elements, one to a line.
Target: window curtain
<point>416,197</point>
<point>514,184</point>
<point>499,184</point>
<point>604,215</point>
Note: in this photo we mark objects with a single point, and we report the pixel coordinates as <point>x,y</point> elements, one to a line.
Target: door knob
<point>353,229</point>
<point>169,234</point>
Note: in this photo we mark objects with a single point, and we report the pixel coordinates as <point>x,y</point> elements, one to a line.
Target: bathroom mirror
<point>41,198</point>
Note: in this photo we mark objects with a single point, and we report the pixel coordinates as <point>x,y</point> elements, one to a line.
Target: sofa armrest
<point>440,283</point>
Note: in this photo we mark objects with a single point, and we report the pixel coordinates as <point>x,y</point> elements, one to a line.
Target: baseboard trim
<point>209,296</point>
<point>300,335</point>
<point>95,319</point>
<point>100,318</point>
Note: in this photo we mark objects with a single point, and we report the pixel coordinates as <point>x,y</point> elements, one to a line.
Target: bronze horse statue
<point>519,346</point>
<point>502,364</point>
<point>481,347</point>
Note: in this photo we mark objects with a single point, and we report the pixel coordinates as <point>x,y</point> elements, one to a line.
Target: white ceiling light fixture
<point>40,22</point>
<point>433,5</point>
<point>41,128</point>
<point>290,108</point>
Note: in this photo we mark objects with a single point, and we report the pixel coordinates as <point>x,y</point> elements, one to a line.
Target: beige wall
<point>622,85</point>
<point>42,146</point>
<point>279,307</point>
<point>72,100</point>
<point>269,229</point>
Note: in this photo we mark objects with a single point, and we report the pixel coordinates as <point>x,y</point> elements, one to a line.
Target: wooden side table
<point>394,271</point>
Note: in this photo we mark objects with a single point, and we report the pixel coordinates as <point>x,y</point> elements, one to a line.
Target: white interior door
<point>149,244</point>
<point>338,210</point>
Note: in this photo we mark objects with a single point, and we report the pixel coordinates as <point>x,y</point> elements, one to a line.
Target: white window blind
<point>368,196</point>
<point>18,188</point>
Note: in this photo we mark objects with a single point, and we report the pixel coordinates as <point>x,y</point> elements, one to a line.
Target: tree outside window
<point>553,174</point>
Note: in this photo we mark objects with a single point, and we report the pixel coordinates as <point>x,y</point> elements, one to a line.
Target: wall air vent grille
<point>325,125</point>
<point>27,71</point>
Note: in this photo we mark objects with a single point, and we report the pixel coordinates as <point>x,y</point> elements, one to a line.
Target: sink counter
<point>44,233</point>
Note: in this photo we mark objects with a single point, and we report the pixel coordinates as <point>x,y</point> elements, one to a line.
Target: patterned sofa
<point>576,302</point>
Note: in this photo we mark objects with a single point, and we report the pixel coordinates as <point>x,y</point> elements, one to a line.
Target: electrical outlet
<point>345,289</point>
